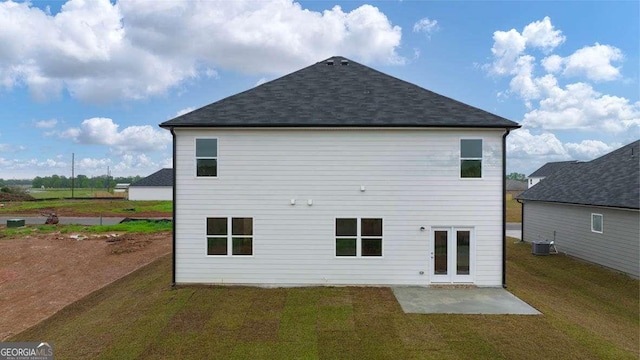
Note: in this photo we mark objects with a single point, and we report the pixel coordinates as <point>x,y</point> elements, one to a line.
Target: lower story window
<point>229,236</point>
<point>358,237</point>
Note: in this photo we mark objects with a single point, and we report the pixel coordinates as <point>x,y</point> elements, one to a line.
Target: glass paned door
<point>440,257</point>
<point>463,251</point>
<point>452,255</point>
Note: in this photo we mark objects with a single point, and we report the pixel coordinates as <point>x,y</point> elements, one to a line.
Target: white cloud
<point>184,111</point>
<point>553,63</point>
<point>594,62</point>
<point>103,131</point>
<point>523,83</point>
<point>575,106</point>
<point>261,81</point>
<point>45,124</point>
<point>138,162</point>
<point>426,25</point>
<point>92,164</point>
<point>578,106</point>
<point>8,148</point>
<point>99,51</point>
<point>542,35</point>
<point>507,47</point>
<point>523,144</point>
<point>589,149</point>
<point>528,151</point>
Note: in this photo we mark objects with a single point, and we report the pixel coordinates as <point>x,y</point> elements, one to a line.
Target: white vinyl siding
<point>150,193</point>
<point>411,179</point>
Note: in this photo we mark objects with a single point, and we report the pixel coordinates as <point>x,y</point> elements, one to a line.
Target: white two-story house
<point>338,174</point>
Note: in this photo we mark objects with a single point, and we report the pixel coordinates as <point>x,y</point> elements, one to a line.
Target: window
<point>358,237</point>
<point>221,241</point>
<point>597,223</point>
<point>207,157</point>
<point>470,158</point>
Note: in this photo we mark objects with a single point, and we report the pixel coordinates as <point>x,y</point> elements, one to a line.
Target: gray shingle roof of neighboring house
<point>611,180</point>
<point>338,92</point>
<point>550,168</point>
<point>162,177</point>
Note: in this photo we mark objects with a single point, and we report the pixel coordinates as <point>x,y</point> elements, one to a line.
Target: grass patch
<point>78,193</point>
<point>589,313</point>
<point>514,211</point>
<point>89,207</point>
<point>127,227</point>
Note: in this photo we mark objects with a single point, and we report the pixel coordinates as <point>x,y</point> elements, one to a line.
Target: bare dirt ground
<point>40,274</point>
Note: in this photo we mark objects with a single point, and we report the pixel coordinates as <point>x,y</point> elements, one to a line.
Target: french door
<point>452,255</point>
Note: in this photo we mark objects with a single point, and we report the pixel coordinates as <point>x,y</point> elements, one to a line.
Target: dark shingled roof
<point>163,177</point>
<point>344,94</point>
<point>550,168</point>
<point>612,180</point>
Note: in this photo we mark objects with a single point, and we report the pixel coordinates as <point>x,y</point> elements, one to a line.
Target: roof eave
<point>579,204</point>
<point>458,126</point>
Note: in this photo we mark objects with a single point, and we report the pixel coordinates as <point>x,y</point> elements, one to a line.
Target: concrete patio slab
<point>423,300</point>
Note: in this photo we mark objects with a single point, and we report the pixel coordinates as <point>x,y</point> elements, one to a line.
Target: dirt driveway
<point>40,274</point>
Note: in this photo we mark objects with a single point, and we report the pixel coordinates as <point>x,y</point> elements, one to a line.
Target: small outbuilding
<point>157,186</point>
<point>120,188</point>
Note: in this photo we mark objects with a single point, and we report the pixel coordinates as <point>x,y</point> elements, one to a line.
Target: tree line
<point>80,181</point>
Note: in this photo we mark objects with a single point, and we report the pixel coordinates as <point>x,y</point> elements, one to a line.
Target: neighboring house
<point>515,188</point>
<point>546,170</point>
<point>120,188</point>
<point>338,174</point>
<point>590,210</point>
<point>157,186</point>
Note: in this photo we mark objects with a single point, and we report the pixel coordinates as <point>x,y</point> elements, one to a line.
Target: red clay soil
<point>40,274</point>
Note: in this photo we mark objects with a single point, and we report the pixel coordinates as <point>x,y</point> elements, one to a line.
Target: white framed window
<point>206,157</point>
<point>358,237</point>
<point>229,236</point>
<point>471,158</point>
<point>597,223</point>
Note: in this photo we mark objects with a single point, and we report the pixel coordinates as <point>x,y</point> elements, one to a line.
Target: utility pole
<point>73,174</point>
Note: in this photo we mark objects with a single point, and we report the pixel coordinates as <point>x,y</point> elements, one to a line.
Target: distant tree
<point>37,182</point>
<point>82,181</point>
<point>516,176</point>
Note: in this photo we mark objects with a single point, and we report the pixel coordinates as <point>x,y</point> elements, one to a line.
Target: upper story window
<point>597,223</point>
<point>358,237</point>
<point>470,158</point>
<point>207,157</point>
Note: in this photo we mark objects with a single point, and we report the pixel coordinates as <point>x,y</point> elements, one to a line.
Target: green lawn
<point>127,227</point>
<point>589,313</point>
<point>51,193</point>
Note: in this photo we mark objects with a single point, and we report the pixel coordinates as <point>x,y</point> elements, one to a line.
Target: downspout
<point>504,208</point>
<point>521,220</point>
<point>173,235</point>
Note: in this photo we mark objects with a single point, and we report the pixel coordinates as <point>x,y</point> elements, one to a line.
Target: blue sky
<point>95,78</point>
